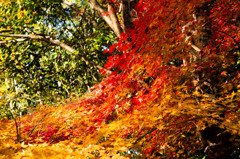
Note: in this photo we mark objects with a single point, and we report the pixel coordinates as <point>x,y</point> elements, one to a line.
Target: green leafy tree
<point>50,49</point>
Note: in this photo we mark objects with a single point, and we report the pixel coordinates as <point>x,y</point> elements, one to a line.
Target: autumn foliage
<point>172,77</point>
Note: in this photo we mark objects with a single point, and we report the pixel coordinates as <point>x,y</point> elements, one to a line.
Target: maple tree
<point>173,90</point>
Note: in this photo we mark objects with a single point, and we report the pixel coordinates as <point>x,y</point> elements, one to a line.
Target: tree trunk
<point>110,17</point>
<point>217,142</point>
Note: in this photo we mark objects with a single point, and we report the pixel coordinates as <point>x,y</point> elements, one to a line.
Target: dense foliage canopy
<point>50,51</point>
<point>171,88</point>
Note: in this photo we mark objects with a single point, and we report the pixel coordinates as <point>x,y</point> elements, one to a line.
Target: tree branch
<point>12,41</point>
<point>155,128</point>
<point>47,39</point>
<point>113,23</point>
<point>195,47</point>
<point>16,123</point>
<point>30,132</point>
<point>55,42</point>
<point>127,18</point>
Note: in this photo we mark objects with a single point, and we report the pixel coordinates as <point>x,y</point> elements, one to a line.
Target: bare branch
<point>55,42</point>
<point>195,48</point>
<point>47,39</point>
<point>114,18</point>
<point>113,23</point>
<point>12,41</point>
<point>30,132</point>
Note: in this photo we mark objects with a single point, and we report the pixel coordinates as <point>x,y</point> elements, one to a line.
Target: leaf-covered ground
<point>66,131</point>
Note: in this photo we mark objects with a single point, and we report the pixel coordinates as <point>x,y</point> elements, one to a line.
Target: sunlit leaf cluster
<point>41,71</point>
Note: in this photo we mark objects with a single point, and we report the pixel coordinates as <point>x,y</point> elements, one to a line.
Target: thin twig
<point>155,128</point>
<point>30,133</point>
